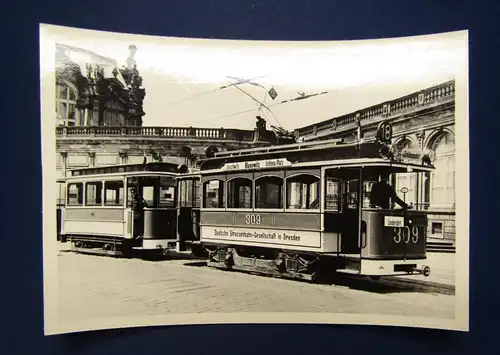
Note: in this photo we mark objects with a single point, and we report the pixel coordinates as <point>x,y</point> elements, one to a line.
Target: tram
<point>120,210</point>
<point>303,210</point>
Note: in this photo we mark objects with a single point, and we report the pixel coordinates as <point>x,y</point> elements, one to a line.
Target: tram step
<point>348,271</point>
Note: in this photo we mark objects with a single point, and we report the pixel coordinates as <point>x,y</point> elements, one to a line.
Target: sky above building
<point>183,77</point>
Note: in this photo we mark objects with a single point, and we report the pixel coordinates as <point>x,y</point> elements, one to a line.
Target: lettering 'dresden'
<point>258,235</point>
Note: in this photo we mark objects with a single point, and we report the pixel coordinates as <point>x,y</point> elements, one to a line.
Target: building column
<point>123,157</point>
<point>92,159</point>
<point>421,181</point>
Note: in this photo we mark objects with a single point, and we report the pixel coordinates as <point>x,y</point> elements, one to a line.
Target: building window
<point>408,180</point>
<point>269,192</point>
<point>239,193</point>
<point>113,114</point>
<point>303,192</point>
<point>437,230</point>
<point>442,179</point>
<point>66,111</point>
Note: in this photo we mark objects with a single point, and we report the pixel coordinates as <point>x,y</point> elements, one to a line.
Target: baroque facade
<point>91,90</point>
<point>99,110</point>
<point>424,119</point>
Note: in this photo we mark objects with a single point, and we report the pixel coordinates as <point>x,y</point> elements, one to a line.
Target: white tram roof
<point>151,168</point>
<point>331,153</point>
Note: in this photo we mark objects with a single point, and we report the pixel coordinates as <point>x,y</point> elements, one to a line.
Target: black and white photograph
<point>213,181</point>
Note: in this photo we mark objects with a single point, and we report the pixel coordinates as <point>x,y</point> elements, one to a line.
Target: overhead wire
<point>261,104</point>
<point>243,81</point>
<point>216,118</point>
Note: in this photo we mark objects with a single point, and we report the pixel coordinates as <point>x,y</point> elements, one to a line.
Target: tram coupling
<point>424,270</point>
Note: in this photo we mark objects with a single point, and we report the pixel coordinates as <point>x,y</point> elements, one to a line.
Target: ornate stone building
<point>99,110</point>
<point>424,119</point>
<point>92,90</point>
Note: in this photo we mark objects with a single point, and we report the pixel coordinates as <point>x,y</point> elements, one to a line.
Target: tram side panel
<point>286,231</point>
<point>96,223</point>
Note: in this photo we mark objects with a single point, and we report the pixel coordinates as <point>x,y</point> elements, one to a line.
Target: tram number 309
<point>253,219</point>
<point>406,234</point>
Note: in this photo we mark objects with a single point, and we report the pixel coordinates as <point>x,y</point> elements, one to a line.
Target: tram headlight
<point>182,169</point>
<point>385,151</point>
<point>388,152</point>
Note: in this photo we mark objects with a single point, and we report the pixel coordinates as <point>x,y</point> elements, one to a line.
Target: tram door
<point>134,208</point>
<point>188,211</point>
<point>342,208</point>
<point>350,216</point>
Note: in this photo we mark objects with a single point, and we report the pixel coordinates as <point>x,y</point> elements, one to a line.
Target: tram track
<point>384,285</point>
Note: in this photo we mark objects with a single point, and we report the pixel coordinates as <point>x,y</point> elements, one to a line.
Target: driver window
<point>367,189</point>
<point>332,193</point>
<point>351,195</point>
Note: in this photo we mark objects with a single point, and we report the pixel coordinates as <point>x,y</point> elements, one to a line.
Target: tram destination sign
<point>410,155</point>
<point>261,236</point>
<point>257,164</point>
<point>394,221</point>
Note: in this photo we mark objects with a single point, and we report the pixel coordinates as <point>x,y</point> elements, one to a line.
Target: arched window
<point>269,192</point>
<point>66,111</point>
<point>442,179</point>
<point>213,194</point>
<point>239,193</point>
<point>408,180</point>
<point>302,192</point>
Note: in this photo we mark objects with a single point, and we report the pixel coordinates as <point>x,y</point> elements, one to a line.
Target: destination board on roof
<point>257,164</point>
<point>413,155</point>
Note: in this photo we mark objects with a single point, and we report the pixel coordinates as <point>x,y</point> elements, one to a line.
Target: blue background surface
<point>21,303</point>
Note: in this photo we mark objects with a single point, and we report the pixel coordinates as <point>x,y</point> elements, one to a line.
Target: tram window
<point>269,192</point>
<point>239,193</point>
<point>351,197</point>
<point>148,194</point>
<point>189,193</point>
<point>167,193</point>
<point>61,192</point>
<point>75,194</point>
<point>367,189</point>
<point>213,194</point>
<point>196,192</point>
<point>186,193</point>
<point>93,193</point>
<point>303,192</point>
<point>113,193</point>
<point>332,194</point>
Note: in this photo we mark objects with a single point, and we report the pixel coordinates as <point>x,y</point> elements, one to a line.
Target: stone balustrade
<point>400,106</point>
<point>160,132</point>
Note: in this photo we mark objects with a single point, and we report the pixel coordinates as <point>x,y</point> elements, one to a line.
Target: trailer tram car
<point>302,210</point>
<point>121,210</point>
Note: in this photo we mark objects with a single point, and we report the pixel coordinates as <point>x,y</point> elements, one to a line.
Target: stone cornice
<point>437,98</point>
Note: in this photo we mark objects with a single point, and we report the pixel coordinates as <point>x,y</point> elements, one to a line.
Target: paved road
<point>96,286</point>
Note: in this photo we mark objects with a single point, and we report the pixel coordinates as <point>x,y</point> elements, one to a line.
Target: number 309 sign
<point>406,234</point>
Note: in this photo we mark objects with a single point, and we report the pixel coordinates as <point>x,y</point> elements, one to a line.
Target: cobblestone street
<point>96,286</point>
